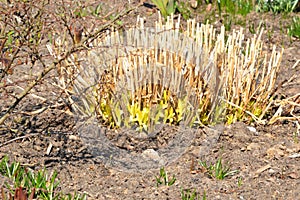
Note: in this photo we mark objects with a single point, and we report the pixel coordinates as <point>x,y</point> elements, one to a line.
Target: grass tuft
<point>191,195</point>
<point>294,29</point>
<point>26,184</point>
<point>218,170</point>
<point>277,6</point>
<point>164,179</point>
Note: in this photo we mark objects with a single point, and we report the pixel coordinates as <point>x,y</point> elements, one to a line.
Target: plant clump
<point>143,76</point>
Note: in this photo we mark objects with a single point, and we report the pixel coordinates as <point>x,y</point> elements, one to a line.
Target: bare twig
<point>33,95</point>
<point>26,91</point>
<point>296,64</point>
<point>95,35</point>
<point>18,138</point>
<point>32,84</point>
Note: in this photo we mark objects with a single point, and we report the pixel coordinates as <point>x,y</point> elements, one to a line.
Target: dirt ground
<point>267,157</point>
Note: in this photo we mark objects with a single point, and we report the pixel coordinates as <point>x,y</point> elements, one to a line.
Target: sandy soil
<point>266,156</point>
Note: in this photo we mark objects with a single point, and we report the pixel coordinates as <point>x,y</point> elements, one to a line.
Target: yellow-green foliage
<point>139,115</point>
<point>142,113</point>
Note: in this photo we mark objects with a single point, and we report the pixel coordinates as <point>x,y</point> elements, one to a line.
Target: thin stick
<point>18,138</point>
<point>26,91</point>
<point>295,65</point>
<point>33,95</point>
<point>95,35</point>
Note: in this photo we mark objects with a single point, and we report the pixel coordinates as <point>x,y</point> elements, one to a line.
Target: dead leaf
<point>208,8</point>
<point>293,175</point>
<point>74,137</point>
<point>20,194</point>
<point>297,155</point>
<point>275,152</point>
<point>253,146</point>
<point>194,3</point>
<point>49,148</point>
<point>262,169</point>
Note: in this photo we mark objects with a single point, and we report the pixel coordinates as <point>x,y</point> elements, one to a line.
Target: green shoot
<point>217,170</point>
<point>294,29</point>
<point>163,178</point>
<point>191,195</point>
<point>166,7</point>
<point>277,6</point>
<point>38,185</point>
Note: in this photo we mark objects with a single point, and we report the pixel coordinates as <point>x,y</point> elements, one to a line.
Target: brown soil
<point>267,157</point>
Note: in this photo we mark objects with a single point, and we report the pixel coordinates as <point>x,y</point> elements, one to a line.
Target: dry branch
<point>56,63</point>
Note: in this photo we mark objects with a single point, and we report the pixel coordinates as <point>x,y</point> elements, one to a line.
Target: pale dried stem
<point>140,63</point>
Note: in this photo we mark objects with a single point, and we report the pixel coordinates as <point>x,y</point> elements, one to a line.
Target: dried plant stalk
<point>249,76</point>
<point>153,69</point>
